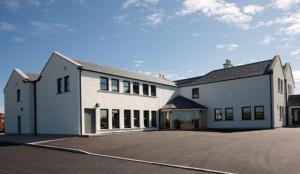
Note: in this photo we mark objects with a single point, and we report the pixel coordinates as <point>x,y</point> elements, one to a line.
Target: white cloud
<point>155,18</point>
<point>80,2</point>
<point>137,63</point>
<point>122,19</point>
<point>296,74</point>
<point>229,47</point>
<point>295,52</point>
<point>253,9</point>
<point>285,4</point>
<point>13,4</point>
<point>196,35</point>
<point>266,40</point>
<point>219,9</point>
<point>42,29</point>
<point>138,3</point>
<point>17,39</point>
<point>290,23</point>
<point>252,60</point>
<point>1,108</point>
<point>5,26</point>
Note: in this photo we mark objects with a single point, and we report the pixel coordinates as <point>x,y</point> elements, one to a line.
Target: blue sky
<point>177,38</point>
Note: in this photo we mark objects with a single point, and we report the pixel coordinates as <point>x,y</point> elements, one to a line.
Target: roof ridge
<point>223,69</point>
<point>107,66</point>
<point>240,65</point>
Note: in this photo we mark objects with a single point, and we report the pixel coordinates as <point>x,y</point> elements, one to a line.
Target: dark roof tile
<point>180,102</point>
<point>236,72</point>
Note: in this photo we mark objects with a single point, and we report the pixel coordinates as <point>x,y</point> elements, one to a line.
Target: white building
<point>76,97</point>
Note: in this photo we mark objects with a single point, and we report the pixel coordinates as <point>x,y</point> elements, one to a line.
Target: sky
<point>177,38</point>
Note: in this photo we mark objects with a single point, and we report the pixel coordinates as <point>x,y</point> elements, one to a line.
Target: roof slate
<point>236,72</point>
<point>180,102</point>
<point>123,73</point>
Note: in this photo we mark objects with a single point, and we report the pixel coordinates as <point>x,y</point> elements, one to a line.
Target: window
<point>115,85</point>
<point>146,118</point>
<point>153,90</point>
<point>228,113</point>
<point>195,92</point>
<point>246,113</point>
<point>153,120</point>
<point>127,120</point>
<point>136,88</point>
<point>59,85</point>
<point>104,119</point>
<point>115,118</point>
<point>280,85</point>
<point>18,95</point>
<point>281,110</point>
<point>259,113</point>
<point>136,118</point>
<point>126,86</point>
<point>67,83</point>
<point>289,89</point>
<point>104,83</point>
<point>145,89</point>
<point>218,114</point>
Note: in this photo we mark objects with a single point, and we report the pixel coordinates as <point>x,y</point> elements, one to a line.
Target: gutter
<point>271,100</point>
<point>80,103</point>
<point>35,107</point>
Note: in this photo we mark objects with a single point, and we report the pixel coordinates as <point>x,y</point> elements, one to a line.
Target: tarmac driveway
<point>264,151</point>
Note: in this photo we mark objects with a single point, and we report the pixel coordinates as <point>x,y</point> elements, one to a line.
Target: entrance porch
<point>294,110</point>
<point>183,114</point>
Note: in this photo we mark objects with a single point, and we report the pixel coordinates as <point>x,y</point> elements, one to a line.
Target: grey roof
<point>180,102</point>
<point>294,100</point>
<point>236,72</point>
<point>123,73</point>
<point>32,77</point>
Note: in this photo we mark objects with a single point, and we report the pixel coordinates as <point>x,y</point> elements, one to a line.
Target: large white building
<point>79,98</point>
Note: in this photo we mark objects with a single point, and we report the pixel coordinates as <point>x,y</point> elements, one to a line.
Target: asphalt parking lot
<point>262,151</point>
<point>20,159</point>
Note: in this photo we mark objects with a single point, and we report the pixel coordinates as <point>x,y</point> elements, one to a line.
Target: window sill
<point>62,93</point>
<point>131,94</point>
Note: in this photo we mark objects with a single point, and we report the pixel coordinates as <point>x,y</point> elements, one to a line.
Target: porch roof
<point>294,100</point>
<point>180,102</point>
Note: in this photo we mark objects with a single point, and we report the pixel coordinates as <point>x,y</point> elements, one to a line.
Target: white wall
<point>58,113</point>
<point>289,81</point>
<point>91,94</point>
<point>279,98</point>
<point>253,91</point>
<point>13,108</point>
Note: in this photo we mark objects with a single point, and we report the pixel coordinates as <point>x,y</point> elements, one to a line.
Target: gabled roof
<point>27,77</point>
<point>236,72</point>
<point>180,102</point>
<point>32,77</point>
<point>294,100</point>
<point>123,73</point>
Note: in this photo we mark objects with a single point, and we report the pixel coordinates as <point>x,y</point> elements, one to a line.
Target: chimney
<point>227,64</point>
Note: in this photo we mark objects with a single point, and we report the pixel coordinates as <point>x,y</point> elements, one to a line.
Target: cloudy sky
<point>180,38</point>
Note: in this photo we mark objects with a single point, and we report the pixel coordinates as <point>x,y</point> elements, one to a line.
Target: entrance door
<point>90,121</point>
<point>19,124</point>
